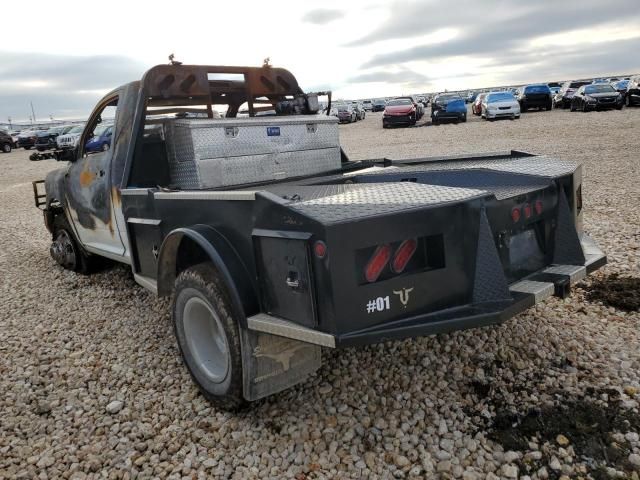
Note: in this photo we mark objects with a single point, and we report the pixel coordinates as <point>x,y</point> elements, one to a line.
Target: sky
<point>64,61</point>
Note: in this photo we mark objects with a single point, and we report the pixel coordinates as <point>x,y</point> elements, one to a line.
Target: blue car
<point>101,140</point>
<point>447,106</point>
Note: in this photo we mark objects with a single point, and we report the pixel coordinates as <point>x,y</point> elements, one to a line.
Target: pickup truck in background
<point>273,245</point>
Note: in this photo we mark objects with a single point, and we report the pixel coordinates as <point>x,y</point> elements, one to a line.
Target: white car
<point>71,138</point>
<point>500,105</point>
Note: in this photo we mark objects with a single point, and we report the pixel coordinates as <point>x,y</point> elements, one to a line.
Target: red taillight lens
<point>403,254</point>
<point>539,207</point>
<point>515,214</point>
<point>319,249</point>
<point>527,210</point>
<point>377,263</point>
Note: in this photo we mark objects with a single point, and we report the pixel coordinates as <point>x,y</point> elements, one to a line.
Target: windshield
<point>399,101</point>
<point>500,97</point>
<point>446,98</point>
<point>622,84</point>
<point>537,89</point>
<point>599,89</point>
<point>77,129</point>
<point>577,84</point>
<point>100,130</point>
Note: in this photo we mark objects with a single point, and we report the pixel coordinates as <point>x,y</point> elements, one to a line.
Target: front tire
<point>6,148</point>
<point>66,251</point>
<point>208,336</point>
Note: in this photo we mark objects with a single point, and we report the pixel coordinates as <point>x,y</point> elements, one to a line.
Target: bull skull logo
<point>404,295</point>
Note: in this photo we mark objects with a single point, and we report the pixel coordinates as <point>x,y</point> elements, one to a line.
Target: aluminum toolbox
<point>210,153</point>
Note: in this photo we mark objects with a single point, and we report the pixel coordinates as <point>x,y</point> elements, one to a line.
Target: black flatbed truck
<point>270,254</point>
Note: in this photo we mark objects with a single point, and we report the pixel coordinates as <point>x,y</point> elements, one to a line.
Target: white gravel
<point>92,385</point>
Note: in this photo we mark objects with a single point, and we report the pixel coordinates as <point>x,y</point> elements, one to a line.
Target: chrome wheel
<point>206,339</point>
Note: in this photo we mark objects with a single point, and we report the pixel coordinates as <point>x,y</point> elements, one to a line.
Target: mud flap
<point>271,363</point>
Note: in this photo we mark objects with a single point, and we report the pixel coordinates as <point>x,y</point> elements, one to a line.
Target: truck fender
<point>215,248</point>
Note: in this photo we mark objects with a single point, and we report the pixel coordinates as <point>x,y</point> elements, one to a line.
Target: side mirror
<point>66,155</point>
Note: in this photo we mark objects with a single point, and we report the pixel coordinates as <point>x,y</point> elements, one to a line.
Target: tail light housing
<point>515,214</point>
<point>377,263</point>
<point>539,207</point>
<point>403,254</point>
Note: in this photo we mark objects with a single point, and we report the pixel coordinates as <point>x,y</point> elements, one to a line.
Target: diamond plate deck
<point>379,199</point>
<point>501,184</point>
<point>540,166</point>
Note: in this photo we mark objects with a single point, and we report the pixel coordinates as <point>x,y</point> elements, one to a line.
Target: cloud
<point>399,77</point>
<point>322,16</point>
<point>59,85</point>
<point>492,31</point>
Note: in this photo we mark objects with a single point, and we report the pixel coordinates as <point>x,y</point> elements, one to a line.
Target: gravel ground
<point>92,385</point>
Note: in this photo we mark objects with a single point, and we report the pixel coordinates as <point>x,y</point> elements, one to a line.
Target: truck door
<point>88,184</point>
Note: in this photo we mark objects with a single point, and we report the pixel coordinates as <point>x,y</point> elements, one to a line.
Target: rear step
<point>265,323</point>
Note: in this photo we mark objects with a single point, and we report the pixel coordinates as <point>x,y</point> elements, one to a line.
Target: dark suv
<point>632,96</point>
<point>534,96</point>
<point>6,142</point>
<point>46,139</point>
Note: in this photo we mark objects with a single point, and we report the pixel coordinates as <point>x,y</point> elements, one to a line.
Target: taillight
<point>527,210</point>
<point>403,254</point>
<point>515,214</point>
<point>376,264</point>
<point>539,207</point>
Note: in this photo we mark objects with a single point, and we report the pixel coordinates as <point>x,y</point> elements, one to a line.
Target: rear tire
<point>208,336</point>
<point>6,148</point>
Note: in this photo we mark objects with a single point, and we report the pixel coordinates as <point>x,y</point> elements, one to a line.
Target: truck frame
<point>263,274</point>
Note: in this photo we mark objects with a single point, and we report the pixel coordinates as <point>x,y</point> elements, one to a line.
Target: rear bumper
<point>398,120</point>
<point>552,280</point>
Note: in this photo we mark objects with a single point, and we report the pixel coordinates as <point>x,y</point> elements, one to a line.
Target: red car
<point>399,111</point>
<point>476,107</point>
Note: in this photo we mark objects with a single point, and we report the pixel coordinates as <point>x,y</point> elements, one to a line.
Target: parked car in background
<point>368,105</point>
<point>70,139</point>
<point>359,109</point>
<point>344,112</point>
<point>554,91</point>
<point>378,105</point>
<point>562,99</point>
<point>621,86</point>
<point>399,111</point>
<point>471,98</point>
<point>500,105</point>
<point>101,139</point>
<point>27,139</point>
<point>632,95</point>
<point>599,96</point>
<point>534,96</point>
<point>448,106</point>
<point>14,136</point>
<point>6,142</point>
<point>476,106</point>
<point>46,139</point>
<point>419,106</point>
